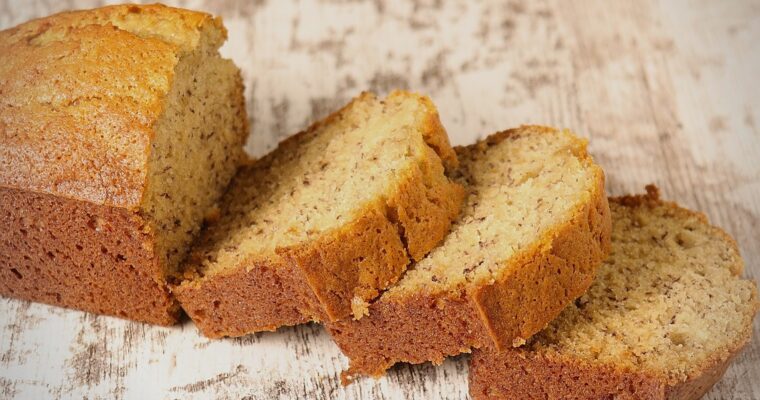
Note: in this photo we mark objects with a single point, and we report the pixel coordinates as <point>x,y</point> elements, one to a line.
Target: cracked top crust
<point>80,93</point>
<point>326,178</point>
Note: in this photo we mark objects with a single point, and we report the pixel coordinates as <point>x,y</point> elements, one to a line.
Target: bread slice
<point>120,127</point>
<point>665,316</point>
<point>534,227</point>
<point>322,224</point>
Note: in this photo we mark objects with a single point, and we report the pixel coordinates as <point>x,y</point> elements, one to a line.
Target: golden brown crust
<point>80,255</point>
<point>556,271</point>
<point>424,205</point>
<point>176,26</point>
<point>357,260</point>
<point>546,374</point>
<point>79,103</point>
<point>553,272</point>
<point>344,268</point>
<point>299,284</point>
<point>432,132</point>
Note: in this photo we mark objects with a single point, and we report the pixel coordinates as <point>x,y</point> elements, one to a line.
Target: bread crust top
<point>80,93</point>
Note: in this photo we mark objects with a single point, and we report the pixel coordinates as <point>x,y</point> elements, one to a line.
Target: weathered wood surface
<point>668,92</point>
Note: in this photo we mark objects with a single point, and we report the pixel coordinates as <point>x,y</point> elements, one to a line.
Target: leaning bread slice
<point>664,318</point>
<point>325,222</point>
<point>534,228</point>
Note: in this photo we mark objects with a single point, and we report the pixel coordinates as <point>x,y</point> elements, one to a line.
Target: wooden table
<point>667,92</point>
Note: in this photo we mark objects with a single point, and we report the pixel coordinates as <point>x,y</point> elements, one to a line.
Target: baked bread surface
<point>534,227</point>
<point>81,93</point>
<point>664,318</point>
<point>127,118</point>
<point>329,219</point>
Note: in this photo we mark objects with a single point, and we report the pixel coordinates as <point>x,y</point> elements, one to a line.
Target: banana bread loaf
<point>534,227</point>
<point>326,221</point>
<point>120,127</point>
<point>665,316</point>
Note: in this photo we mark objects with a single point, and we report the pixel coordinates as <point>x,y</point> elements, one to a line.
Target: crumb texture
<point>197,147</point>
<point>667,300</point>
<point>319,180</point>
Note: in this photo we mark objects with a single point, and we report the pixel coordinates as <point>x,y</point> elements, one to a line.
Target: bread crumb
<point>359,307</point>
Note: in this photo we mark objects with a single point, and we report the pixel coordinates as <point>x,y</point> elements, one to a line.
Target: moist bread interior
<point>316,181</point>
<point>666,300</point>
<point>508,182</point>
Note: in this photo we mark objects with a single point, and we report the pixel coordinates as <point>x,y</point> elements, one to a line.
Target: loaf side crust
<point>80,255</point>
<point>548,275</point>
<point>343,269</point>
<point>546,374</point>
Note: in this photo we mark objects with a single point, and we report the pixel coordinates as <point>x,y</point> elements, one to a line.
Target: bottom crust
<point>518,374</point>
<point>80,255</point>
<point>267,296</point>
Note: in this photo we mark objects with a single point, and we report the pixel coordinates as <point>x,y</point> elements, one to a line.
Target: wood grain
<point>667,92</point>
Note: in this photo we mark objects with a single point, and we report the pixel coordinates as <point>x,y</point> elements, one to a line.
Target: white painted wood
<point>667,91</point>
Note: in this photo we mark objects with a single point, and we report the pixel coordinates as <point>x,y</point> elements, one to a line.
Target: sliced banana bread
<point>120,127</point>
<point>534,227</point>
<point>665,316</point>
<point>326,221</point>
